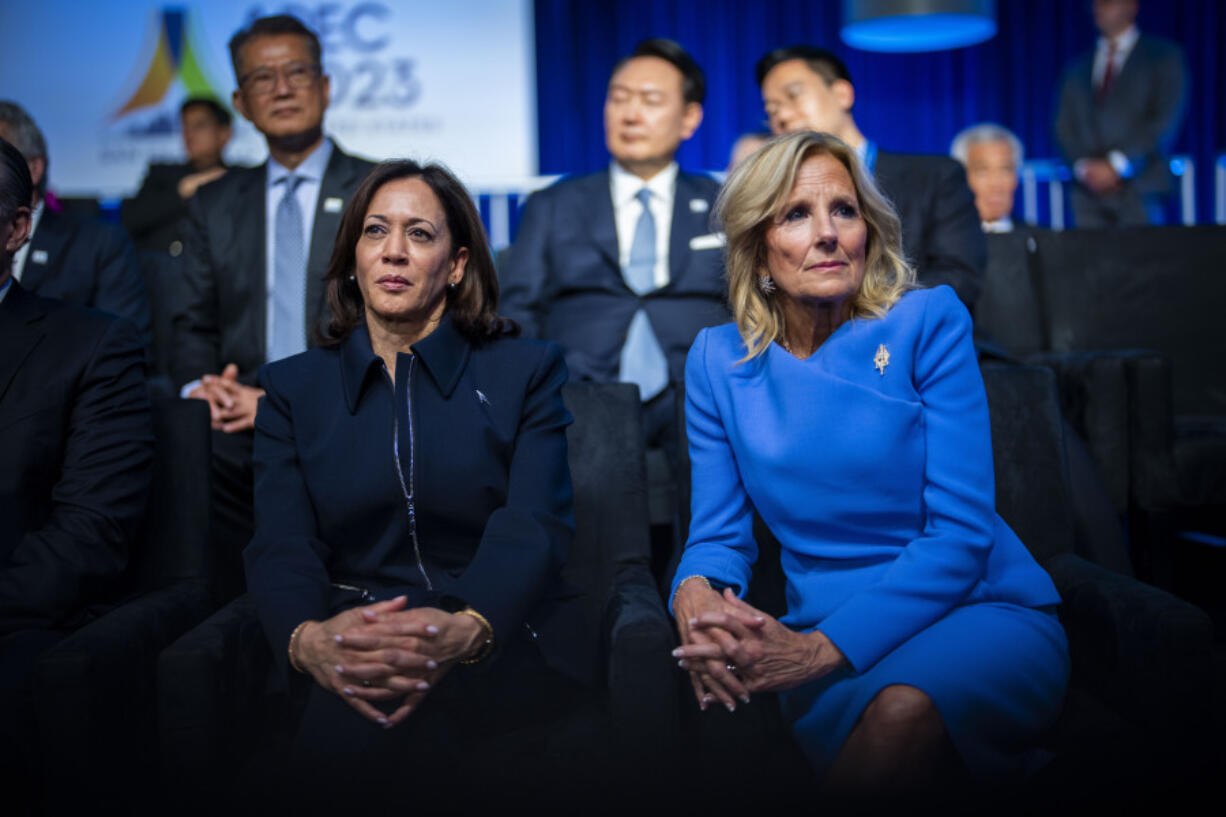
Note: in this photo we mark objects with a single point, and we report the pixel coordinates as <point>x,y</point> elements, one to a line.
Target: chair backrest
<point>1028,449</point>
<point>1010,308</point>
<point>174,545</point>
<point>1158,288</point>
<point>609,473</point>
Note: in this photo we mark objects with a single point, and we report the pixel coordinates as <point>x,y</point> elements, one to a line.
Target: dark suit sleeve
<point>156,204</point>
<point>197,333</point>
<point>955,251</point>
<point>285,561</point>
<point>99,499</point>
<point>523,280</point>
<point>121,287</point>
<point>525,542</point>
<point>1152,135</point>
<point>1068,135</point>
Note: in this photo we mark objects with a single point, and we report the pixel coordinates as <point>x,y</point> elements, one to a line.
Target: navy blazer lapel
<point>596,199</point>
<point>50,241</point>
<point>687,223</point>
<point>247,254</point>
<point>341,178</point>
<point>20,331</point>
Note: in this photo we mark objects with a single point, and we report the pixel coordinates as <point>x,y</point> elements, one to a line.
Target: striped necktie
<point>287,335</point>
<point>642,360</point>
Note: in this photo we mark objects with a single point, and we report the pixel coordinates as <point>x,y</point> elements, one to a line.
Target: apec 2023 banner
<point>453,82</point>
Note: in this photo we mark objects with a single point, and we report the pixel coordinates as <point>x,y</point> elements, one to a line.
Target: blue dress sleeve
<point>721,544</point>
<point>937,570</point>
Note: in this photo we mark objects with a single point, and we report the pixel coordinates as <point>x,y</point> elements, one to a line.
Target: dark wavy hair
<point>472,304</point>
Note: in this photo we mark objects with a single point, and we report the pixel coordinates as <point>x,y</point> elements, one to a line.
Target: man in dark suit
<point>80,261</point>
<point>810,88</point>
<point>154,216</point>
<point>621,267</point>
<point>75,462</point>
<point>257,245</point>
<point>1120,108</point>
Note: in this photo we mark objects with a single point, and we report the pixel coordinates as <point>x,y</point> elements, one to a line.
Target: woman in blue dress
<point>846,406</point>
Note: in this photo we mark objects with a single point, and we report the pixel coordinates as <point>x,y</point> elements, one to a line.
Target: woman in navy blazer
<point>412,494</point>
<point>846,407</point>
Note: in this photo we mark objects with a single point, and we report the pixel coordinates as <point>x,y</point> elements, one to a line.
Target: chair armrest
<point>642,674</point>
<point>1141,650</point>
<point>94,694</point>
<point>211,687</point>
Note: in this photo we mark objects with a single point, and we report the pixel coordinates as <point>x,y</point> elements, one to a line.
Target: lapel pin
<point>333,205</point>
<point>481,398</point>
<point>882,358</point>
<point>38,257</point>
<point>699,206</point>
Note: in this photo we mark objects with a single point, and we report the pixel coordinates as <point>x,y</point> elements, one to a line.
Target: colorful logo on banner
<point>176,57</point>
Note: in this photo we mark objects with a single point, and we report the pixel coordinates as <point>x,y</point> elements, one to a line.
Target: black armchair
<point>94,690</point>
<point>216,717</point>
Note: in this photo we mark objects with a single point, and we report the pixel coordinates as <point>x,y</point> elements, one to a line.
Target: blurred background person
<point>744,147</point>
<point>1120,109</point>
<point>992,156</point>
<point>76,457</point>
<point>256,249</point>
<point>807,88</point>
<point>154,216</point>
<point>79,260</point>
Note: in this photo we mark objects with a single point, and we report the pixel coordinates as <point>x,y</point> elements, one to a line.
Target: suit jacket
<point>562,280</point>
<point>224,318</point>
<point>154,216</point>
<point>1139,117</point>
<point>76,457</point>
<point>941,233</point>
<point>476,434</point>
<point>86,262</point>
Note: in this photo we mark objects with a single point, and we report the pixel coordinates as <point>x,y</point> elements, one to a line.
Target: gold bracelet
<point>700,578</point>
<point>293,640</point>
<point>487,646</point>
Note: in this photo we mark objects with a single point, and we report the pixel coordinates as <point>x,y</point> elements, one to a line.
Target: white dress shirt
<point>312,172</point>
<point>1000,225</point>
<point>627,210</point>
<point>19,258</point>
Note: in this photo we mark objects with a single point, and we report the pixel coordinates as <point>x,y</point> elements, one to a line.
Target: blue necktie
<point>288,335</point>
<point>642,360</point>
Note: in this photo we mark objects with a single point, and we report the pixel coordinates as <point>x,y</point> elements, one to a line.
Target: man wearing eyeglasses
<point>804,87</point>
<point>257,246</point>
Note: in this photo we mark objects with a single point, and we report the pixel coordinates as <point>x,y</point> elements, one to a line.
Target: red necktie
<point>1104,85</point>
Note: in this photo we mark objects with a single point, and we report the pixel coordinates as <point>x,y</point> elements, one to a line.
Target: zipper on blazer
<point>408,489</point>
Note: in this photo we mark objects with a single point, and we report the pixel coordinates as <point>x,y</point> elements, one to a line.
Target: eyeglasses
<point>263,81</point>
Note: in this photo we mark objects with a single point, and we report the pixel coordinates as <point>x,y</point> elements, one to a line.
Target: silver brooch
<point>882,358</point>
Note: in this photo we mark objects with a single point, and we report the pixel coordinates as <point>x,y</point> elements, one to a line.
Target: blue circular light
<point>919,32</point>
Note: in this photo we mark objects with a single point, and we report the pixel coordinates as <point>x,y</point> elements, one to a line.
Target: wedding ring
<point>730,667</point>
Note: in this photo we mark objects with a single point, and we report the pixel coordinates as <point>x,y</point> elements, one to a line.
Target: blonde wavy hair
<point>749,202</point>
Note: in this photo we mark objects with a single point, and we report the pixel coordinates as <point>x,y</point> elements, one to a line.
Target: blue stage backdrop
<point>906,102</point>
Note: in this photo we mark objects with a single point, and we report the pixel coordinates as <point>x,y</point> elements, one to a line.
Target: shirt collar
<point>1000,225</point>
<point>626,185</point>
<point>312,167</point>
<point>1124,42</point>
<point>5,287</point>
<point>444,353</point>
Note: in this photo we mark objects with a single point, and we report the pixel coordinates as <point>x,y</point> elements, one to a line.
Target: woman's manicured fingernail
<point>677,653</point>
<point>745,698</point>
<point>384,722</point>
<point>347,690</point>
<point>338,639</point>
<point>693,622</point>
<point>731,706</point>
<point>432,630</point>
<point>339,669</point>
<point>422,686</point>
<point>682,664</point>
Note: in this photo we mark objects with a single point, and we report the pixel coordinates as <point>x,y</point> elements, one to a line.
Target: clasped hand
<point>386,652</point>
<point>232,405</point>
<point>732,649</point>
